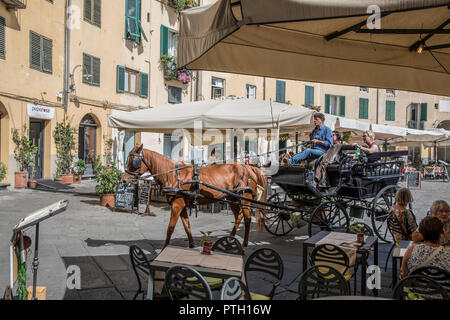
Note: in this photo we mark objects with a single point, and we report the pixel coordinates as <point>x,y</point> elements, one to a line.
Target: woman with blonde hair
<point>439,209</point>
<point>405,216</point>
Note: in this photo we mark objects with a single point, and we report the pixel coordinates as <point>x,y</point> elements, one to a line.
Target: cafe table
<point>217,264</point>
<point>339,238</point>
<point>397,257</point>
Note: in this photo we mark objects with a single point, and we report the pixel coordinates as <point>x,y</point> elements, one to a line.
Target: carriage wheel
<point>380,212</point>
<point>328,216</point>
<point>277,221</point>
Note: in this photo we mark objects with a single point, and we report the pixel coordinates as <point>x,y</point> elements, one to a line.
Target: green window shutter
<point>309,95</point>
<point>363,108</point>
<point>97,14</point>
<point>143,85</point>
<point>87,69</point>
<point>96,71</point>
<point>2,38</point>
<point>342,106</point>
<point>131,20</point>
<point>327,103</point>
<point>164,40</point>
<point>280,91</point>
<point>35,51</point>
<point>88,10</point>
<point>423,112</point>
<point>390,110</point>
<point>120,81</point>
<point>47,46</point>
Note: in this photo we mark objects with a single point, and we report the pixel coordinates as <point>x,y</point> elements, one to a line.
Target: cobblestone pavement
<point>98,240</point>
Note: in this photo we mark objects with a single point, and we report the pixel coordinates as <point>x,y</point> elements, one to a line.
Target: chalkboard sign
<point>126,196</point>
<point>413,179</point>
<point>144,193</point>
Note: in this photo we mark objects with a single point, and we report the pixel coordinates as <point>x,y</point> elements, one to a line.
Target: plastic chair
<point>234,289</point>
<point>419,287</point>
<point>268,261</point>
<point>141,267</point>
<point>185,283</point>
<point>322,281</point>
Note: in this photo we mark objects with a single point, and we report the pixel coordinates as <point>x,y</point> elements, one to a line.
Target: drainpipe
<point>378,106</point>
<point>67,16</point>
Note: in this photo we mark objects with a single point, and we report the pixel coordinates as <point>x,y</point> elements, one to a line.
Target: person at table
<point>369,139</point>
<point>429,253</point>
<point>439,209</point>
<point>321,140</point>
<point>405,217</point>
<point>337,138</point>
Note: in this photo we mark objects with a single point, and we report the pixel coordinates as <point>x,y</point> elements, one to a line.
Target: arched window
<point>87,142</point>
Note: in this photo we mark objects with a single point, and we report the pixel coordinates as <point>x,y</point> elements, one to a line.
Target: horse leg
<point>237,218</point>
<point>177,207</point>
<point>247,221</point>
<point>187,226</point>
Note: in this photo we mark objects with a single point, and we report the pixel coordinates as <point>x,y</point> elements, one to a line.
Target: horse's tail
<point>262,194</point>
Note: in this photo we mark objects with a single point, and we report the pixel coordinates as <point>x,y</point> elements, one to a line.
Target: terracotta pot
<point>360,237</point>
<point>59,179</point>
<point>67,178</point>
<point>107,200</point>
<point>20,180</point>
<point>207,247</point>
<point>108,168</point>
<point>32,183</point>
<point>77,180</point>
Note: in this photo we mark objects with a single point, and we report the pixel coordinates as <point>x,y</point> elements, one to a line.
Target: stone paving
<point>97,240</point>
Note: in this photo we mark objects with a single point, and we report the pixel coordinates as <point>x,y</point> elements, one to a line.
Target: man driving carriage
<point>321,140</point>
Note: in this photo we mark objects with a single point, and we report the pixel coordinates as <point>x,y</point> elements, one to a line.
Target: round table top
<point>352,298</point>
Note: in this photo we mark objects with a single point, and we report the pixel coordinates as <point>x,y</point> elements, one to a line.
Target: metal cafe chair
<point>394,226</point>
<point>419,287</point>
<point>439,275</point>
<point>141,267</point>
<point>229,245</point>
<point>268,261</point>
<point>185,283</point>
<point>234,289</point>
<point>322,281</point>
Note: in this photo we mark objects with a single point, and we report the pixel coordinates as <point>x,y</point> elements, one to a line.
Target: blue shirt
<point>323,134</point>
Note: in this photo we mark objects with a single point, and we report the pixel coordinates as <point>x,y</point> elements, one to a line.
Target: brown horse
<point>241,179</point>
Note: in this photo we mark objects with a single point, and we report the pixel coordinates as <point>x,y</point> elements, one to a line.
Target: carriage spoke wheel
<point>380,212</point>
<point>328,216</point>
<point>277,221</point>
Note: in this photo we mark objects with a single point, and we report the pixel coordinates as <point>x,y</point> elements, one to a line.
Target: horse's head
<point>134,166</point>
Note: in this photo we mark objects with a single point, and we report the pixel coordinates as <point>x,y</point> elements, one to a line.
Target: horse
<point>171,176</point>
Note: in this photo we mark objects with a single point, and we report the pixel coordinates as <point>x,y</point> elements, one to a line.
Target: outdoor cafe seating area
<point>330,268</point>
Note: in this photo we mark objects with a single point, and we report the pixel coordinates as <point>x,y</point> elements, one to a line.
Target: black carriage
<point>360,189</point>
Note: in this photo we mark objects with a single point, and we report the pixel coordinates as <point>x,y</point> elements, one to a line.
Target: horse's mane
<point>161,164</point>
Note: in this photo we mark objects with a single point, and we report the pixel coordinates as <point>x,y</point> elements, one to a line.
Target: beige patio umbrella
<point>327,41</point>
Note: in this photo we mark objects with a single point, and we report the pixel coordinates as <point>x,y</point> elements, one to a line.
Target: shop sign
<point>40,112</point>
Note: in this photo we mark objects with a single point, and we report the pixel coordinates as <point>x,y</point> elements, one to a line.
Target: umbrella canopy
<point>325,41</point>
<point>414,137</point>
<point>215,114</point>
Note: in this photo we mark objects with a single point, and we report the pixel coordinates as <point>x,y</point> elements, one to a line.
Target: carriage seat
<point>307,164</point>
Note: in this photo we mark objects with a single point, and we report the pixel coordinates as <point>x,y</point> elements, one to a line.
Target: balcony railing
<point>14,4</point>
<point>420,125</point>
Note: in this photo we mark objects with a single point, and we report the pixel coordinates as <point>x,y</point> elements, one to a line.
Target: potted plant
<point>80,168</point>
<point>32,182</point>
<point>64,136</point>
<point>206,242</point>
<point>2,171</point>
<point>108,152</point>
<point>96,164</point>
<point>25,155</point>
<point>357,228</point>
<point>107,183</point>
<point>170,67</point>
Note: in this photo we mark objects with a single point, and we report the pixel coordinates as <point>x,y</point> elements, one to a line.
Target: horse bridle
<point>137,163</point>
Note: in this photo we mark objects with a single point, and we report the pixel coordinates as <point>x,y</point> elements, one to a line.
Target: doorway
<point>87,143</point>
<point>37,136</point>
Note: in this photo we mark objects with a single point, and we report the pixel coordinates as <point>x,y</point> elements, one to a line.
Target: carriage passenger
<point>369,140</point>
<point>321,140</point>
<point>337,138</point>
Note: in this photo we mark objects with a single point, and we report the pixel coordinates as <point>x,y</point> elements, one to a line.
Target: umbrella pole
<point>296,142</point>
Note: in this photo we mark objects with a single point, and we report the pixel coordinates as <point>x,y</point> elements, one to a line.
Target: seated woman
<point>405,217</point>
<point>429,253</point>
<point>369,140</point>
<point>439,209</point>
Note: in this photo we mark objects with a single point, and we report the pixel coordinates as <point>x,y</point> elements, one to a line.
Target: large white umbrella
<point>414,137</point>
<point>215,114</point>
<point>395,44</point>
